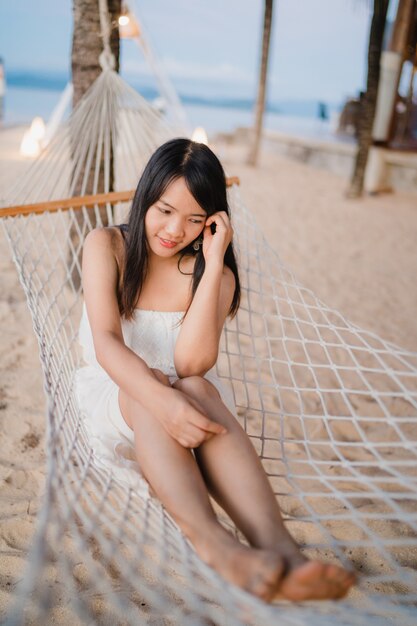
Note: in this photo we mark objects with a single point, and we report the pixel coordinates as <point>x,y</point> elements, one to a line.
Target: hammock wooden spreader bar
<point>77,202</point>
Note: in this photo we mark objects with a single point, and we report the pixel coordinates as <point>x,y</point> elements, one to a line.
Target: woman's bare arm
<point>99,279</point>
<point>197,346</point>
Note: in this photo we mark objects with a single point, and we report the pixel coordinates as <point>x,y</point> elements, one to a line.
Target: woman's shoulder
<point>105,237</point>
<point>104,234</point>
<point>103,252</point>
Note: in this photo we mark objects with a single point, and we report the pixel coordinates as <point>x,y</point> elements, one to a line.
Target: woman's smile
<point>167,243</point>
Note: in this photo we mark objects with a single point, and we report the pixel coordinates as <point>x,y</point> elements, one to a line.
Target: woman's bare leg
<point>174,475</point>
<point>236,479</point>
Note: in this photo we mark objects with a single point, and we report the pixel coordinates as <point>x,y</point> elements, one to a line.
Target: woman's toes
<point>346,585</point>
<point>337,573</point>
<point>341,576</point>
<point>350,580</point>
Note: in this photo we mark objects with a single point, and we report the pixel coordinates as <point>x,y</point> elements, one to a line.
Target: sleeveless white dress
<point>152,335</point>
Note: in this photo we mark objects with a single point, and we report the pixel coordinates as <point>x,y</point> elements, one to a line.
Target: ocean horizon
<point>32,93</point>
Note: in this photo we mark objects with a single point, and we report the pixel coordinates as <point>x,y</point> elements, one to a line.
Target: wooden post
<point>367,113</point>
<point>260,103</point>
<point>391,65</point>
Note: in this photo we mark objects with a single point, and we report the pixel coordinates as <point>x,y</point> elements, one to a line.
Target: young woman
<point>157,292</point>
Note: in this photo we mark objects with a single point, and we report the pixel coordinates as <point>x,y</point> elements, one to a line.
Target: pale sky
<point>319,47</point>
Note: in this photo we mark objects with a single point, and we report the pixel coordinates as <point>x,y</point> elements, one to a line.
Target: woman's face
<point>174,221</point>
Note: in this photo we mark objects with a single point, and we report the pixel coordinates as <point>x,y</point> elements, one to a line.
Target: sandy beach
<point>358,256</point>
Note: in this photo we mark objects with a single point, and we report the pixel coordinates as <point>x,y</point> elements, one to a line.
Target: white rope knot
<point>107,60</point>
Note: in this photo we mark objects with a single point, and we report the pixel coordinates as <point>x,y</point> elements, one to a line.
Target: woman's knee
<point>196,385</point>
<point>163,378</point>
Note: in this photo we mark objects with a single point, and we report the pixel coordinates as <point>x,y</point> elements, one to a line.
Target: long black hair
<point>206,181</point>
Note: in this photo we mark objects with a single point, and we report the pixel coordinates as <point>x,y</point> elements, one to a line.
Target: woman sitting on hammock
<point>157,292</point>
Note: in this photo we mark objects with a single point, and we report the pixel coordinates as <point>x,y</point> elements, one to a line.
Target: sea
<point>31,93</point>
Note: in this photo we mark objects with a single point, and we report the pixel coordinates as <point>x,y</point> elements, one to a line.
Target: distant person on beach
<point>157,292</point>
<point>2,89</point>
<point>322,111</point>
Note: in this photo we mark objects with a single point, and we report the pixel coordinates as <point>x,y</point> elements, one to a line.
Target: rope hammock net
<point>330,408</point>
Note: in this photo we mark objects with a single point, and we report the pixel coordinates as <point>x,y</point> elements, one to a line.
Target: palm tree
<point>260,102</point>
<point>368,103</point>
<point>87,45</point>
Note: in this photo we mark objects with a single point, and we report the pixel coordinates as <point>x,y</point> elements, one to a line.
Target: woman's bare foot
<point>271,573</point>
<point>314,580</point>
<point>304,579</point>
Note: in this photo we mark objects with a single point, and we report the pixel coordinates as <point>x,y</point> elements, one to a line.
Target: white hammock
<point>330,408</point>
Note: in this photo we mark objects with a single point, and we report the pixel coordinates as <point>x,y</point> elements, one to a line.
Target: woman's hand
<point>215,246</point>
<point>184,419</point>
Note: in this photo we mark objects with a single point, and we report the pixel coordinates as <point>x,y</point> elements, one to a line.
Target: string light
<point>32,139</point>
<point>200,136</point>
<point>128,27</point>
<point>37,128</point>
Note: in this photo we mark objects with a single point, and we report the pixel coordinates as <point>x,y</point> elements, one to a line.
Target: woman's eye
<point>167,212</point>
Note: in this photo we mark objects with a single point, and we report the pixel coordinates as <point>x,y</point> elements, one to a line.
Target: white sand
<point>358,256</point>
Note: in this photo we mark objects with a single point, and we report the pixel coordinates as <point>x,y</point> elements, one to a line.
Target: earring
<point>197,244</point>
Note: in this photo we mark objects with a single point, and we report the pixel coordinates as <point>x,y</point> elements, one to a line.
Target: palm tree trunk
<point>369,101</point>
<point>260,102</point>
<point>87,45</point>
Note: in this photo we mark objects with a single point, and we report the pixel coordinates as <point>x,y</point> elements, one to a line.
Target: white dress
<point>152,335</point>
